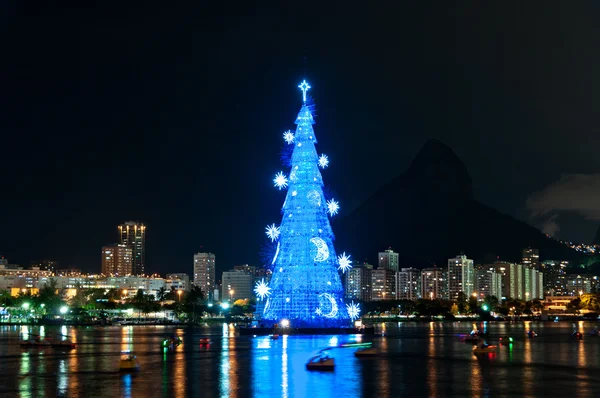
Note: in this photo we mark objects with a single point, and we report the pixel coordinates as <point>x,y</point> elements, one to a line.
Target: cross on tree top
<point>304,86</point>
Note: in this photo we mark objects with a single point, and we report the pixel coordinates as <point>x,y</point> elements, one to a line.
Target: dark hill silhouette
<point>429,214</point>
<point>597,238</point>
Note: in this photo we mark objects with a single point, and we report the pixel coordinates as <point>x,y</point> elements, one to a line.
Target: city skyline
<point>115,128</point>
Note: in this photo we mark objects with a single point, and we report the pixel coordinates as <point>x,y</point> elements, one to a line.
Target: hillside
<point>429,214</point>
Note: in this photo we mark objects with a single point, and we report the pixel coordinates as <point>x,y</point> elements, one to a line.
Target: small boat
<point>128,363</point>
<point>471,339</point>
<point>62,344</point>
<point>484,349</point>
<point>577,336</point>
<point>506,340</point>
<point>531,334</point>
<point>366,352</point>
<point>320,362</point>
<point>171,342</point>
<point>34,343</point>
<point>204,341</point>
<point>275,337</point>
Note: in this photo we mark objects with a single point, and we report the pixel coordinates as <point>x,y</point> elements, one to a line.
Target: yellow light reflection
<point>179,370</point>
<point>476,379</point>
<point>582,360</point>
<point>432,366</point>
<point>126,338</point>
<point>528,377</point>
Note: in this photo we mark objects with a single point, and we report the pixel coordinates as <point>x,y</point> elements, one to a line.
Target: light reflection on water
<point>424,359</point>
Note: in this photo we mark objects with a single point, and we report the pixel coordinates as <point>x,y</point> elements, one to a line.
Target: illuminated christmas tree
<point>305,287</point>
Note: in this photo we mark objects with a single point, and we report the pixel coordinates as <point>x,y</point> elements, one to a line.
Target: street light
<point>63,310</point>
<point>179,294</point>
<point>25,306</point>
<point>231,294</point>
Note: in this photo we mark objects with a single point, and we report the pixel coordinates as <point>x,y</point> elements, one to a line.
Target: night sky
<point>174,116</point>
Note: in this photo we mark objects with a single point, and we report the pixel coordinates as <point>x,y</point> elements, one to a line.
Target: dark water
<point>418,360</point>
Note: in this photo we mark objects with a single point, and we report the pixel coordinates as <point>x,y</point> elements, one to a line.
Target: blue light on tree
<point>305,287</point>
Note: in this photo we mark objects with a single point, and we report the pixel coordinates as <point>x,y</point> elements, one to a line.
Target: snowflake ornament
<point>272,232</point>
<point>262,290</point>
<point>333,207</point>
<point>353,310</point>
<point>344,262</point>
<point>280,180</point>
<point>288,136</point>
<point>323,161</point>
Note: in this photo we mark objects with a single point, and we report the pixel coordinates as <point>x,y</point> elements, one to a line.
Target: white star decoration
<point>323,161</point>
<point>261,289</point>
<point>280,180</point>
<point>333,207</point>
<point>353,310</point>
<point>288,136</point>
<point>344,262</point>
<point>272,232</point>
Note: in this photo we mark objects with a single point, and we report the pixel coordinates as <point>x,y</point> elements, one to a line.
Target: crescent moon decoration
<point>266,306</point>
<point>276,253</point>
<point>314,198</point>
<point>322,249</point>
<point>293,174</point>
<point>332,303</point>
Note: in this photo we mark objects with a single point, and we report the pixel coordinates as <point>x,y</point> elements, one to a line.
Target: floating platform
<point>246,331</point>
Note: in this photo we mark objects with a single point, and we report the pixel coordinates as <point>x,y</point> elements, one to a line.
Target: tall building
<point>461,277</point>
<point>389,260</point>
<point>357,284</point>
<point>117,260</point>
<point>488,282</point>
<point>204,273</point>
<point>531,284</point>
<point>579,284</point>
<point>555,277</point>
<point>180,281</point>
<point>512,279</point>
<point>237,285</point>
<point>133,234</point>
<point>531,258</point>
<point>408,284</point>
<point>45,265</point>
<point>383,284</point>
<point>433,283</point>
